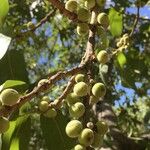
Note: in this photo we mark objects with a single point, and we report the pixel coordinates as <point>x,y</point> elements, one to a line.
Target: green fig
<point>77,110</point>
<point>103,19</point>
<point>4,124</point>
<point>99,90</point>
<point>74,128</point>
<point>103,57</point>
<point>81,89</point>
<point>86,137</point>
<point>82,29</point>
<point>9,97</point>
<point>71,5</point>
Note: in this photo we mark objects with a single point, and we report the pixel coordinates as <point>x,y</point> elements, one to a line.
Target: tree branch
<point>6,110</point>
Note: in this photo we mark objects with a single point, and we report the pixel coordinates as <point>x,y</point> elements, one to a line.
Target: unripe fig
<point>86,137</point>
<point>42,81</point>
<point>45,98</point>
<point>71,5</point>
<point>79,77</point>
<point>82,29</point>
<point>72,98</point>
<point>4,124</point>
<point>51,113</point>
<point>43,106</point>
<point>89,4</point>
<point>77,110</point>
<point>93,99</point>
<point>9,97</point>
<point>79,147</point>
<point>74,128</point>
<point>99,90</point>
<point>30,25</point>
<point>100,3</point>
<point>98,140</point>
<point>101,30</point>
<point>83,14</point>
<point>103,19</point>
<point>80,89</point>
<point>102,127</point>
<point>103,57</point>
<point>90,125</point>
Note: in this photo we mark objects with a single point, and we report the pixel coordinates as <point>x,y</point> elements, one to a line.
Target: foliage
<point>53,46</point>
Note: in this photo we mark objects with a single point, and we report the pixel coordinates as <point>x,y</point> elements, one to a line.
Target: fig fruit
<point>74,128</point>
<point>9,97</point>
<point>80,89</point>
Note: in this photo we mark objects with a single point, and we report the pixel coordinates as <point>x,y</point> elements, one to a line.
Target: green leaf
<point>54,133</point>
<point>115,19</point>
<point>18,136</point>
<point>6,137</point>
<point>121,58</point>
<point>13,67</point>
<point>4,8</point>
<point>15,84</point>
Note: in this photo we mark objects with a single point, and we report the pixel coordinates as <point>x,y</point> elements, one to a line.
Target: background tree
<point>46,45</point>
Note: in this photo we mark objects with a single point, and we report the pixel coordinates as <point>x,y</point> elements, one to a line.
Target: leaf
<point>121,58</point>
<point>6,138</point>
<point>18,138</point>
<point>15,84</point>
<point>54,133</point>
<point>4,42</point>
<point>4,8</point>
<point>115,19</point>
<point>13,67</point>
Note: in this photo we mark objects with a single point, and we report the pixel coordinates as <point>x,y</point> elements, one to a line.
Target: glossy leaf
<point>115,19</point>
<point>121,58</point>
<point>4,8</point>
<point>54,133</point>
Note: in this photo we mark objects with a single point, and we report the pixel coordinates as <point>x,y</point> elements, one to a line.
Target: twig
<point>135,22</point>
<point>45,19</point>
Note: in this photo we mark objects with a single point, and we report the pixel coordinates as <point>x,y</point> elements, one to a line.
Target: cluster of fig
<point>44,104</point>
<point>91,134</point>
<point>123,43</point>
<point>83,9</point>
<point>8,97</point>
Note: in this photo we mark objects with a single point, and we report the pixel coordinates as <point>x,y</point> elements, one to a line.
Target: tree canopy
<point>88,60</point>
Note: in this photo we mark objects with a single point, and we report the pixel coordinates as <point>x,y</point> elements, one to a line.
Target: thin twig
<point>135,22</point>
<point>42,21</point>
